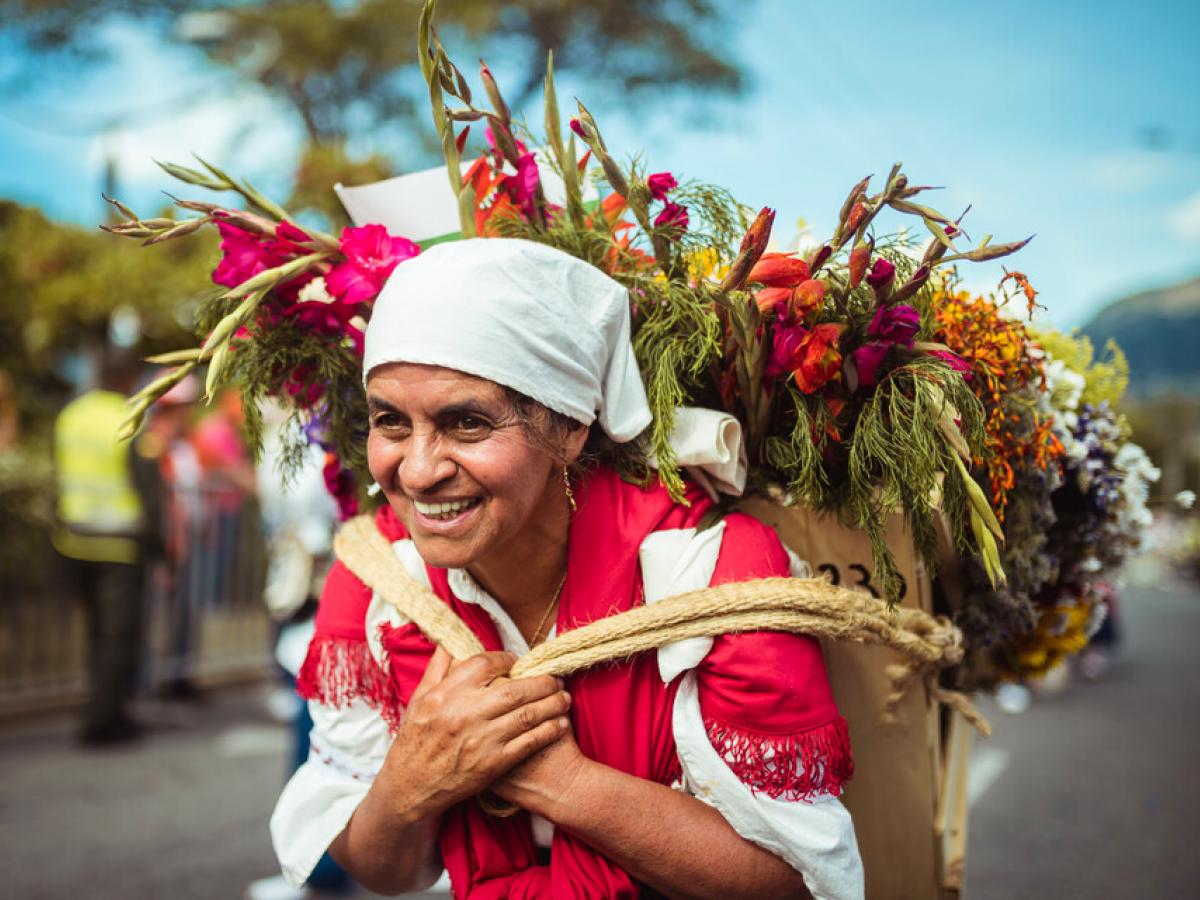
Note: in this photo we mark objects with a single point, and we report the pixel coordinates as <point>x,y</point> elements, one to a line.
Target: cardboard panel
<point>897,768</point>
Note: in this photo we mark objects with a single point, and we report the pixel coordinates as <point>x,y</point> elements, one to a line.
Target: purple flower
<point>867,360</point>
<point>661,184</point>
<point>895,324</point>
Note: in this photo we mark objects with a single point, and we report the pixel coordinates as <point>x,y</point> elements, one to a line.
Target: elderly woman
<point>500,378</point>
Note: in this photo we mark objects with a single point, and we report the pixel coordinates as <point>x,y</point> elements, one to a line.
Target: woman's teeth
<point>444,510</point>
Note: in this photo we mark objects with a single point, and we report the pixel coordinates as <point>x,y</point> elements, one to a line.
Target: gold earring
<point>570,493</point>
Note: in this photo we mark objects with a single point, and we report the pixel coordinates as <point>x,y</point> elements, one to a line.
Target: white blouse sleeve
<point>347,748</point>
<point>815,837</point>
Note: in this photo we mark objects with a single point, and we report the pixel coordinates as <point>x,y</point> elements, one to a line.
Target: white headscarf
<point>523,315</point>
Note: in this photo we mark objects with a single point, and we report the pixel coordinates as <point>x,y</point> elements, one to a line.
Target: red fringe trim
<point>792,766</point>
<point>338,670</point>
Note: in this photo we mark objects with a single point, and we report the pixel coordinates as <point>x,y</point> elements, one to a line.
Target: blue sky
<point>1079,122</point>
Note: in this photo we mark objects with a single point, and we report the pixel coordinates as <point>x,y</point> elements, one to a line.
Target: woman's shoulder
<point>344,599</point>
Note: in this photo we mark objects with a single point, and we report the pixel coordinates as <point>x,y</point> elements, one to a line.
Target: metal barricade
<point>204,617</point>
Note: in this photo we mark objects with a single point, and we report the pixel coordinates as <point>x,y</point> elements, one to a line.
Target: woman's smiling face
<point>456,464</point>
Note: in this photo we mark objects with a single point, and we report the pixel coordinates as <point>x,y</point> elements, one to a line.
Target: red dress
<point>764,697</point>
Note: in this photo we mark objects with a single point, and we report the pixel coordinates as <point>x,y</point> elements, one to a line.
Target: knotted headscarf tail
<point>523,315</point>
<point>809,606</point>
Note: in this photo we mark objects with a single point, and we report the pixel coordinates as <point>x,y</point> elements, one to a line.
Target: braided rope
<point>805,605</point>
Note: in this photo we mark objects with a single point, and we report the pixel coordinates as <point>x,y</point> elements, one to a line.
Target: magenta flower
<point>661,184</point>
<point>371,255</point>
<point>895,324</point>
<point>339,481</point>
<point>244,255</point>
<point>525,183</point>
<point>577,127</point>
<point>867,360</point>
<point>673,215</point>
<point>783,347</point>
<point>954,361</point>
<point>881,273</point>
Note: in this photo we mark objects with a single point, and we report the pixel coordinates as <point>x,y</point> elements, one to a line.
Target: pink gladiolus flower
<point>526,182</point>
<point>244,255</point>
<point>895,324</point>
<point>661,184</point>
<point>867,360</point>
<point>371,255</point>
<point>672,216</point>
<point>577,127</point>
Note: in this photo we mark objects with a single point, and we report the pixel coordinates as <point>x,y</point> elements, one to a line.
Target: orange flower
<point>816,360</point>
<point>808,297</point>
<point>779,270</point>
<point>769,297</point>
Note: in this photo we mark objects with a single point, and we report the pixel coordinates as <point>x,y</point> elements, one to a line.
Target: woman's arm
<point>463,727</point>
<point>659,835</point>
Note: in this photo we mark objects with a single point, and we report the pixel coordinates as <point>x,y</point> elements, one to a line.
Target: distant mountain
<point>1160,333</point>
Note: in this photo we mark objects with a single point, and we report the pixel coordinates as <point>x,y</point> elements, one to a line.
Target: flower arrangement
<point>830,360</point>
<point>1099,502</point>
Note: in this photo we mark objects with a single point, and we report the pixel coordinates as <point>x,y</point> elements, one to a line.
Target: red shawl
<point>764,697</point>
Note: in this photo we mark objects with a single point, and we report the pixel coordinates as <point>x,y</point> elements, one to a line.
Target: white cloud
<point>1184,219</point>
<point>1128,173</point>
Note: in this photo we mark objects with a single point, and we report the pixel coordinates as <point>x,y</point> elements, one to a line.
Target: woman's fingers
<point>481,669</point>
<point>528,717</point>
<point>530,742</point>
<point>505,695</point>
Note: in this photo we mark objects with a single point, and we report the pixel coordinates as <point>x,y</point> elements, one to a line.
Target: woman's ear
<point>573,446</point>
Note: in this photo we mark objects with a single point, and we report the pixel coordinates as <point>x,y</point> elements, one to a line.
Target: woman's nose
<point>425,464</point>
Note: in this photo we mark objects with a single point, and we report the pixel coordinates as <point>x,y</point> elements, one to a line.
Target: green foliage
<point>60,284</point>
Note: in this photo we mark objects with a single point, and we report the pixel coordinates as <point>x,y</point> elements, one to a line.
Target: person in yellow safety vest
<point>102,532</point>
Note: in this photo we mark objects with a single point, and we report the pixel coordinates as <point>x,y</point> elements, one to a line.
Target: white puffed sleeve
<point>816,836</point>
<point>347,748</point>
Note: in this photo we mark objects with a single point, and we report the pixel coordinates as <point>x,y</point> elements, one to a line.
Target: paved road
<point>1091,793</point>
<point>1099,795</point>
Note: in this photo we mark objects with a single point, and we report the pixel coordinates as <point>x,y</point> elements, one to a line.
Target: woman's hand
<point>465,726</point>
<point>545,776</point>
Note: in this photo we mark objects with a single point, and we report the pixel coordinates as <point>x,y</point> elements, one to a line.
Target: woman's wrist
<point>565,798</point>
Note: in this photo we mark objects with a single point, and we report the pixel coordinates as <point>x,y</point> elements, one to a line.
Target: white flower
<point>1186,499</point>
<point>315,292</point>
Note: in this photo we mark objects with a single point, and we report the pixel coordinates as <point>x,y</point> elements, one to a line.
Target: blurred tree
<point>60,286</point>
<point>349,66</point>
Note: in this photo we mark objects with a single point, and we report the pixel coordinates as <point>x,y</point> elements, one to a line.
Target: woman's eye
<point>387,422</point>
<point>472,428</point>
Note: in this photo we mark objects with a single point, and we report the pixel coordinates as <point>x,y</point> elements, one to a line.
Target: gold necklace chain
<point>537,632</point>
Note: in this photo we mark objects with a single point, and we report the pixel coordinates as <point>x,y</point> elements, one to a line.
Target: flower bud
<point>859,257</point>
<point>754,242</point>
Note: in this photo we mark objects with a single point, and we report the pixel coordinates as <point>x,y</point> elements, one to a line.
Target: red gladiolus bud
<point>577,127</point>
<point>819,257</point>
<point>807,297</point>
<point>583,161</point>
<point>779,270</point>
<point>859,257</point>
<point>461,141</point>
<point>769,297</point>
<point>857,213</point>
<point>754,242</point>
